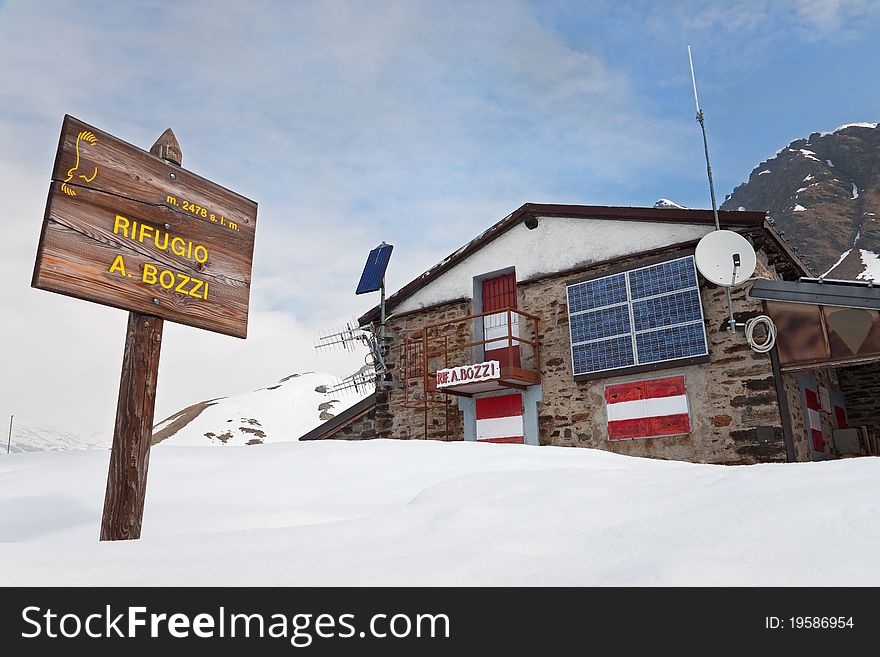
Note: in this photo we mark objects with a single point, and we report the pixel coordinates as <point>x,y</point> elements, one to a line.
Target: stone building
<point>587,326</point>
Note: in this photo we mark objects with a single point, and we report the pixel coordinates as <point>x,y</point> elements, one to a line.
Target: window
<point>639,317</point>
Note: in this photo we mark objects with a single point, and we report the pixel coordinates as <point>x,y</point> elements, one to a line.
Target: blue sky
<point>420,123</point>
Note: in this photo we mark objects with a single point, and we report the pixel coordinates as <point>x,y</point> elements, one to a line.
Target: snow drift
<point>428,513</point>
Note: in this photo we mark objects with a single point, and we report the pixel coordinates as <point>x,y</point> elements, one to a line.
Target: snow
<point>810,155</point>
<point>557,244</point>
<point>850,125</point>
<point>829,163</point>
<point>666,203</point>
<point>871,261</point>
<point>839,260</point>
<point>761,173</point>
<point>808,178</point>
<point>27,438</point>
<point>283,411</point>
<point>426,513</point>
<point>855,191</point>
<point>799,208</point>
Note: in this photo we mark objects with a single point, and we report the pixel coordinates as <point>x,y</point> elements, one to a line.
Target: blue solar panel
<point>671,343</point>
<point>374,270</point>
<point>676,308</point>
<point>600,324</point>
<point>603,355</point>
<point>645,315</point>
<point>663,278</point>
<point>595,294</point>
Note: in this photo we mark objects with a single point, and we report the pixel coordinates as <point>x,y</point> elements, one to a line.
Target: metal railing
<point>452,342</point>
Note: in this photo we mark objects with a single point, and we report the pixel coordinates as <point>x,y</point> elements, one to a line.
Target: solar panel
<point>645,315</point>
<point>671,343</point>
<point>603,292</point>
<point>374,270</point>
<point>603,355</point>
<point>600,324</point>
<point>665,277</point>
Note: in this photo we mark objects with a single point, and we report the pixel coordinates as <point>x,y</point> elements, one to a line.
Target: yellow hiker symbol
<point>67,189</point>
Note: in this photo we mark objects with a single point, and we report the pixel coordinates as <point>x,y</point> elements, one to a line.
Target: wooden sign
<point>128,229</point>
<point>134,230</point>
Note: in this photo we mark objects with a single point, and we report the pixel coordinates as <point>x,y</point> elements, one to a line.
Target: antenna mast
<point>731,323</point>
<point>701,120</point>
<point>375,371</point>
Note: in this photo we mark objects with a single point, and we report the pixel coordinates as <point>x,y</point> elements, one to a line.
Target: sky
<point>417,123</point>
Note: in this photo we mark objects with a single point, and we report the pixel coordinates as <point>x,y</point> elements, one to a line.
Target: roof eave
<point>728,218</point>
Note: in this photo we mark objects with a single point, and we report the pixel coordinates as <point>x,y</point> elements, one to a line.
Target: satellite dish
<point>725,258</point>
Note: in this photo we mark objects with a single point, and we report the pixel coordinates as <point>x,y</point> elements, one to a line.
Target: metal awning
<point>847,294</point>
<point>822,323</point>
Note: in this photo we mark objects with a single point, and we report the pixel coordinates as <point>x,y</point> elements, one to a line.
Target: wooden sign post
<point>134,230</point>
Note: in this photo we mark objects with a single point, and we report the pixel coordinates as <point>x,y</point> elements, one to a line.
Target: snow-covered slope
<point>280,412</point>
<point>429,513</point>
<point>32,438</point>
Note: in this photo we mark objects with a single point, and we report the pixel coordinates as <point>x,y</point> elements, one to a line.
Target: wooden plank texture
<point>130,454</point>
<point>118,218</point>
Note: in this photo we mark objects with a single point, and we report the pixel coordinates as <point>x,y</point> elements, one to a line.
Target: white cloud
<point>417,123</point>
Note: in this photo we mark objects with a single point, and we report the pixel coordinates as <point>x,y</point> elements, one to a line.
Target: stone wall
<point>362,427</point>
<point>798,425</point>
<point>861,385</point>
<point>730,397</point>
<point>406,414</point>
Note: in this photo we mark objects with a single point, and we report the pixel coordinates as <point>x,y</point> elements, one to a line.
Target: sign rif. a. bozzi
<point>128,229</point>
<point>464,374</point>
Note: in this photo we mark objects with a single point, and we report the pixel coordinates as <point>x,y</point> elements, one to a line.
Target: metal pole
<point>9,441</point>
<point>382,311</point>
<point>731,324</point>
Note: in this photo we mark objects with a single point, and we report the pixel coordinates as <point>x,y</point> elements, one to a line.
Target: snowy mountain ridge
<point>823,193</point>
<point>280,412</point>
<point>37,438</point>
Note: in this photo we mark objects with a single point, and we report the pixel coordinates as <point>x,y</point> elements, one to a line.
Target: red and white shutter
<point>499,419</point>
<point>814,420</point>
<point>646,409</point>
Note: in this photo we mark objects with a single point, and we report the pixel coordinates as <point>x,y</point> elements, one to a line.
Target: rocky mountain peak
<point>824,193</point>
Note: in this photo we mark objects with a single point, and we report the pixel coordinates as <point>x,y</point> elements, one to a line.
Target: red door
<point>500,293</point>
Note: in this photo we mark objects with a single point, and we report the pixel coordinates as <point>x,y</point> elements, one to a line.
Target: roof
<point>850,294</point>
<point>728,219</point>
<point>330,426</point>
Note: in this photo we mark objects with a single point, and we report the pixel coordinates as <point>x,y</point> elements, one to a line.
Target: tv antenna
<point>374,371</point>
<point>718,247</point>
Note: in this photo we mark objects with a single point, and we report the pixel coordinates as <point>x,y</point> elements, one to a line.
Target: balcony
<point>491,351</point>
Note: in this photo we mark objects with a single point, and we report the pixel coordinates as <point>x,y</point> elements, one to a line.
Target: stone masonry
<point>730,397</point>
